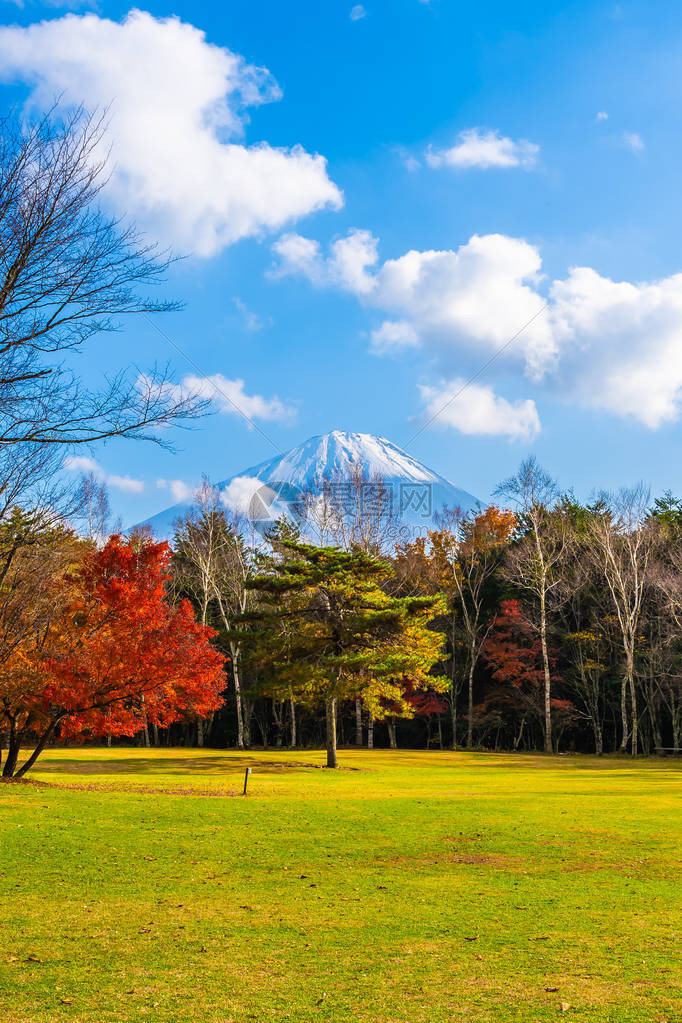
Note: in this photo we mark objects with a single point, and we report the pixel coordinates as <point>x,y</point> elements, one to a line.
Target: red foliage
<point>513,652</point>
<point>511,649</point>
<point>126,653</point>
<point>423,702</point>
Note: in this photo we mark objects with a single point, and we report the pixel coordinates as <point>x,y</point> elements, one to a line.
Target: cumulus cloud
<point>347,265</point>
<point>181,492</point>
<point>483,148</point>
<point>239,494</point>
<point>479,295</point>
<point>357,13</point>
<point>474,409</point>
<point>83,464</point>
<point>230,398</point>
<point>393,335</point>
<point>602,116</point>
<point>177,116</point>
<point>621,344</point>
<point>608,345</point>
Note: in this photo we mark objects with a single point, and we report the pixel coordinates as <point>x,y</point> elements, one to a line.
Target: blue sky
<point>482,166</point>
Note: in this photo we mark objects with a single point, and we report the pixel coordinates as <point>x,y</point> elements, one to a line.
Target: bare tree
<point>668,580</point>
<point>93,508</point>
<point>534,560</point>
<point>468,551</point>
<point>625,538</point>
<point>353,511</point>
<point>68,273</point>
<point>213,563</point>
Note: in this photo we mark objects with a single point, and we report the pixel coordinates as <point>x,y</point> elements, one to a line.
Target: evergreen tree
<point>325,630</point>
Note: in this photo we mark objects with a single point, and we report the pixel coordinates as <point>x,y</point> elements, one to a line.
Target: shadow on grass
<point>150,766</point>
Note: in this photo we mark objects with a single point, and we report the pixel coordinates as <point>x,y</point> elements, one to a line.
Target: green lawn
<point>405,887</point>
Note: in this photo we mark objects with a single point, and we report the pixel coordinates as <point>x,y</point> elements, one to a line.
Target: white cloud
<point>126,483</point>
<point>299,255</point>
<point>478,296</point>
<point>392,336</point>
<point>602,116</point>
<point>83,464</point>
<point>182,493</point>
<point>230,398</point>
<point>474,409</point>
<point>483,148</point>
<point>357,12</point>
<point>633,140</point>
<point>346,267</point>
<point>621,344</point>
<point>238,495</point>
<point>177,116</point>
<point>613,346</point>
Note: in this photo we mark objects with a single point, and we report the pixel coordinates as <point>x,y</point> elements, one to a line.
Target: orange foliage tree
<point>118,657</point>
<point>460,559</point>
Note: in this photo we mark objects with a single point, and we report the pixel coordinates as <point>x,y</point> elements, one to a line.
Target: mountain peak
<point>417,492</point>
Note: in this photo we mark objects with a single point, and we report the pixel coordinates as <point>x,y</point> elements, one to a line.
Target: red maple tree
<point>513,653</point>
<point>122,655</point>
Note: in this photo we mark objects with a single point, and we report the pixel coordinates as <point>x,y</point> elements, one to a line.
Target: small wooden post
<point>247,772</point>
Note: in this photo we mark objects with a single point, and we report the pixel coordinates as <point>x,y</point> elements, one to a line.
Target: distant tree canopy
<point>544,624</point>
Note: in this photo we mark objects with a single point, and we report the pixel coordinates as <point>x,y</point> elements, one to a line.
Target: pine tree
<point>325,630</point>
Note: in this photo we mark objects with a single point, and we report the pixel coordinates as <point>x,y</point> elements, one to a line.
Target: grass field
<point>404,887</point>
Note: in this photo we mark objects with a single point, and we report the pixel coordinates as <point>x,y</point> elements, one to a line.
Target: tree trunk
<point>238,696</point>
<point>370,732</point>
<point>470,711</point>
<point>675,717</point>
<point>292,708</point>
<point>624,716</point>
<point>40,746</point>
<point>390,724</point>
<point>548,677</point>
<point>145,725</point>
<point>517,739</point>
<point>13,748</point>
<point>330,709</point>
<point>155,733</point>
<point>453,716</point>
<point>440,732</point>
<point>248,717</point>
<point>358,722</point>
<point>633,703</point>
<point>200,732</point>
<point>598,738</point>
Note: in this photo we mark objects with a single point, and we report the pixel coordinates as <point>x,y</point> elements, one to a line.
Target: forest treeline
<point>538,623</point>
<point>553,624</point>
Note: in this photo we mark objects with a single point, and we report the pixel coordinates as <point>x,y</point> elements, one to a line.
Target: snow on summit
<point>417,491</point>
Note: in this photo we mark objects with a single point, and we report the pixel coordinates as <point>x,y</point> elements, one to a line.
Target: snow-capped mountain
<point>275,487</point>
